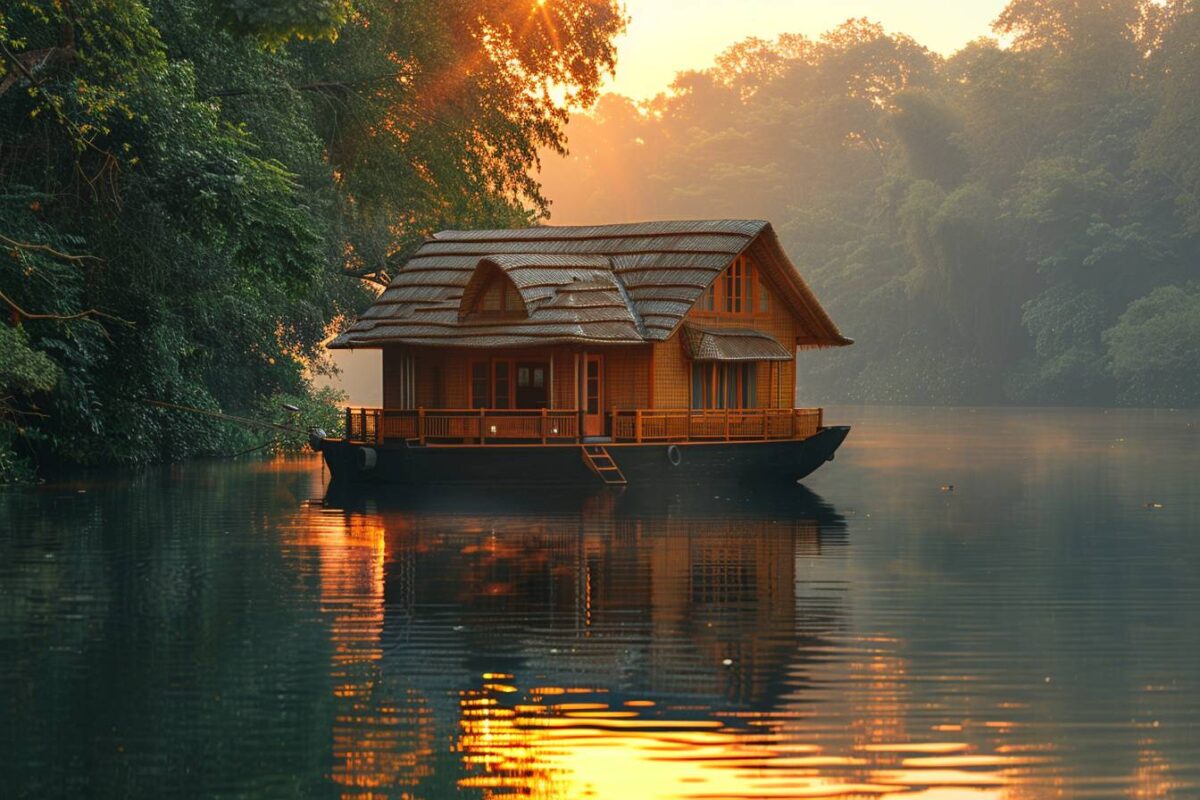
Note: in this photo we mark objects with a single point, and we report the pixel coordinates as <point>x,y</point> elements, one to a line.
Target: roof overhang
<point>731,344</point>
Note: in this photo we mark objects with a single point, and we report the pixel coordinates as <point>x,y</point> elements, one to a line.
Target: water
<point>213,629</point>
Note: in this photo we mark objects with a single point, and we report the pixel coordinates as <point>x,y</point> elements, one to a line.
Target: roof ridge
<point>746,227</point>
<point>638,322</point>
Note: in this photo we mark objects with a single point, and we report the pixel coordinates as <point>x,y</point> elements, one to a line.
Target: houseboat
<point>641,353</point>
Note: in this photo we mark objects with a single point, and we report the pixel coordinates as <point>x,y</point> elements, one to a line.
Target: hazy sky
<point>666,36</point>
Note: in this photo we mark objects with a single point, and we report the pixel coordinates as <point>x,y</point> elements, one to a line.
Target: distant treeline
<point>192,191</point>
<point>1017,223</point>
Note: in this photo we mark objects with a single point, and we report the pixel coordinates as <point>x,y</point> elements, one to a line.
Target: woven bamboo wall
<point>563,368</point>
<point>672,374</point>
<point>627,377</point>
<point>672,368</point>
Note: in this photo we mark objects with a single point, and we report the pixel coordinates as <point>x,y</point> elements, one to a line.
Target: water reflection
<point>637,646</point>
<point>212,630</point>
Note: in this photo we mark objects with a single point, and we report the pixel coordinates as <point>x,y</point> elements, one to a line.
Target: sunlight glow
<point>668,36</point>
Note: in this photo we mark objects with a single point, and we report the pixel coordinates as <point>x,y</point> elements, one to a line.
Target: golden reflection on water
<point>547,749</point>
<point>748,714</point>
<point>380,745</point>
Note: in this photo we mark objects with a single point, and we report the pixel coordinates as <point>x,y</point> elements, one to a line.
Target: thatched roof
<point>731,344</point>
<point>607,284</point>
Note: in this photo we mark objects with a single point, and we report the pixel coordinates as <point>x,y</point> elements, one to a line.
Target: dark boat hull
<point>785,461</point>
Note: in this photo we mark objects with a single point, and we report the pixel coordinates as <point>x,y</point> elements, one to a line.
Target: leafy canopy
<point>193,193</point>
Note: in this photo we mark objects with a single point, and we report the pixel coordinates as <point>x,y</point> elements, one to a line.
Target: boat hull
<point>777,461</point>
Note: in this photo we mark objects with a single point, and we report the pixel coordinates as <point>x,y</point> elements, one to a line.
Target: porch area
<point>484,427</point>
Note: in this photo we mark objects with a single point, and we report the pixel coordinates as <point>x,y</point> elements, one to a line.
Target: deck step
<point>600,462</point>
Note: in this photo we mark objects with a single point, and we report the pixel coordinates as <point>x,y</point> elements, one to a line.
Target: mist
<point>1014,223</point>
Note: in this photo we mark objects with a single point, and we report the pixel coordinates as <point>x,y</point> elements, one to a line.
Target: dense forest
<point>194,193</point>
<point>1016,223</point>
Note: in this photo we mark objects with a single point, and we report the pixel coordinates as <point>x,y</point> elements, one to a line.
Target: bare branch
<point>47,249</point>
<point>89,314</point>
<point>329,87</point>
<point>31,63</point>
<point>373,274</point>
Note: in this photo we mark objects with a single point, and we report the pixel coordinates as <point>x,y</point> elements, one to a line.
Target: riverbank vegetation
<point>192,191</point>
<point>1016,223</point>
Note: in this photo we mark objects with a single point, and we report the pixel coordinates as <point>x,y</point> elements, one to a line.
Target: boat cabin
<point>645,332</point>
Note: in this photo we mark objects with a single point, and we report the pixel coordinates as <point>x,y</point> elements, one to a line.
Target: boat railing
<point>456,425</point>
<point>482,426</point>
<point>730,424</point>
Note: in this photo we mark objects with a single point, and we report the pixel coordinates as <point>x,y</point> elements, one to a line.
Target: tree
<point>186,208</point>
<point>1152,348</point>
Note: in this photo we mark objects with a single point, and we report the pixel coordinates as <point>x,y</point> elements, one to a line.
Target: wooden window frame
<point>714,379</point>
<point>750,288</point>
<point>491,398</point>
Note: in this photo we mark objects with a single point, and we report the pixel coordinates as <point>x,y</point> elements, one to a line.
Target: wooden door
<point>593,395</point>
<point>533,390</point>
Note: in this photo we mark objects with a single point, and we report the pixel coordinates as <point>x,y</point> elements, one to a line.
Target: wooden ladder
<point>600,462</point>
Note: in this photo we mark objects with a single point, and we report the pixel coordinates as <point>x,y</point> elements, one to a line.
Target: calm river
<point>222,629</point>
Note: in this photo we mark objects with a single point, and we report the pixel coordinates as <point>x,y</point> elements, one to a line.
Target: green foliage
<point>1178,118</point>
<point>276,21</point>
<point>22,369</point>
<point>1153,351</point>
<point>188,208</point>
<point>319,409</point>
<point>975,223</point>
<point>24,372</point>
<point>928,134</point>
<point>1065,322</point>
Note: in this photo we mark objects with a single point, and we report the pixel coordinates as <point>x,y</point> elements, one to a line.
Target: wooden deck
<point>440,426</point>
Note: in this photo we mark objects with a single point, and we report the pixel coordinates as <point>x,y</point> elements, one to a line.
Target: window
<point>498,383</point>
<point>738,291</point>
<point>735,287</point>
<point>500,298</point>
<point>724,385</point>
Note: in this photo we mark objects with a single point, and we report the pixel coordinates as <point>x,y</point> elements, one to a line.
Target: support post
<point>421,424</point>
<point>482,419</point>
<point>543,424</point>
<point>727,423</point>
<point>637,427</point>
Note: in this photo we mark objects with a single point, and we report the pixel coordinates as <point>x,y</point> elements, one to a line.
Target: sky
<point>667,36</point>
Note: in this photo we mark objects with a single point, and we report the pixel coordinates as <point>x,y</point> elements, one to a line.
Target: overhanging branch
<point>328,87</point>
<point>47,249</point>
<point>372,274</point>
<point>89,314</point>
